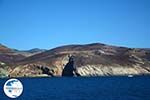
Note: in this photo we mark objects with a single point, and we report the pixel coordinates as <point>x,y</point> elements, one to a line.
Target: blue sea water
<point>83,88</point>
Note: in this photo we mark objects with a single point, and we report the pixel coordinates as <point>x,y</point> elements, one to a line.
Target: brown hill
<point>4,49</point>
<point>8,56</point>
<point>85,60</point>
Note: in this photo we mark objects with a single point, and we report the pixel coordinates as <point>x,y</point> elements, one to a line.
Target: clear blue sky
<point>25,24</point>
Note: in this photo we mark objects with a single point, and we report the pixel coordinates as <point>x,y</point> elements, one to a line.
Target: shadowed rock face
<point>69,68</point>
<point>88,60</point>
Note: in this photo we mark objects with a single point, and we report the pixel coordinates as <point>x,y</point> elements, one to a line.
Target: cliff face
<point>84,60</point>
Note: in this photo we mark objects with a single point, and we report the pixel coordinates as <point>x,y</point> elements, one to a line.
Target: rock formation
<point>69,68</point>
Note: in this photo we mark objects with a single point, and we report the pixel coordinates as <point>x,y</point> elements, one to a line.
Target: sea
<point>83,88</point>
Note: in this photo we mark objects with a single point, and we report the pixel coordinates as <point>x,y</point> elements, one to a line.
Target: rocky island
<point>95,59</point>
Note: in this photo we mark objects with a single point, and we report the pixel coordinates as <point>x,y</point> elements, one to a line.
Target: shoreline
<point>146,75</point>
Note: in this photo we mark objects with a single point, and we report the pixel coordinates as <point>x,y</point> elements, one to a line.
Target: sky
<point>26,24</point>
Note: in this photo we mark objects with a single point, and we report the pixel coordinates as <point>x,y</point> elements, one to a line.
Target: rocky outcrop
<point>69,68</point>
<point>32,70</point>
<point>3,70</point>
<point>100,70</point>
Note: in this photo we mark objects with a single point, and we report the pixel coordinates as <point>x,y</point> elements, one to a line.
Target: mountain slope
<point>28,53</point>
<point>4,49</point>
<point>85,60</point>
<point>8,56</point>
